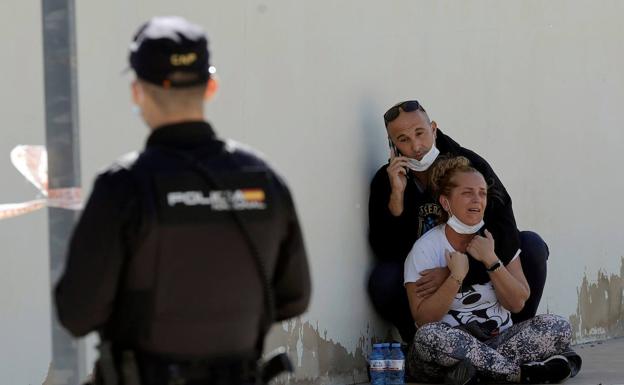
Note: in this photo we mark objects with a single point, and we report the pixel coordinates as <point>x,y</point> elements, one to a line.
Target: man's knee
<point>386,281</point>
<point>533,257</point>
<point>534,248</point>
<point>388,297</point>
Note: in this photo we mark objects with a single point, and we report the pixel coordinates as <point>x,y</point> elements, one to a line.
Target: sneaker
<point>550,371</point>
<point>461,374</point>
<point>574,360</point>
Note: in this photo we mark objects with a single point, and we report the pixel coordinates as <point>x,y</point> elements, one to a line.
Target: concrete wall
<point>535,87</point>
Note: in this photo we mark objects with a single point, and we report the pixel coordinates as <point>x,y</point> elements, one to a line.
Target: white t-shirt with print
<point>473,302</point>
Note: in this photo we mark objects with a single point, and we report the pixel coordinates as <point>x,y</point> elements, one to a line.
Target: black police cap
<point>171,52</point>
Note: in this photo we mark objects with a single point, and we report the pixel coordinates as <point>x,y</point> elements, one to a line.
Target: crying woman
<point>464,329</point>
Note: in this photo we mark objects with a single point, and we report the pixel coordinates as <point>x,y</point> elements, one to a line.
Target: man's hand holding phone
<point>397,173</point>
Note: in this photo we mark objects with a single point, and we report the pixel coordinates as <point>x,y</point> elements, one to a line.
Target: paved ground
<point>603,363</point>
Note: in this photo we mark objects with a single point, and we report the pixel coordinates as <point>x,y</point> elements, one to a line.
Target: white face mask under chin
<point>462,228</point>
<point>426,161</point>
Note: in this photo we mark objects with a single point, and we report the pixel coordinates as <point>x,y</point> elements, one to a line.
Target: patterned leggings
<point>438,346</point>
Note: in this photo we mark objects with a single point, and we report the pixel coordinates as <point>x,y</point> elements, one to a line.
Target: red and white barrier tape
<point>32,163</point>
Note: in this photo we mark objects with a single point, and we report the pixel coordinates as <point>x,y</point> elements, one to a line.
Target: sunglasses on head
<point>406,106</point>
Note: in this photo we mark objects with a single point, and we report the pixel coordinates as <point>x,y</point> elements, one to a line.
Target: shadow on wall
<point>375,154</point>
<point>374,138</point>
<point>600,309</point>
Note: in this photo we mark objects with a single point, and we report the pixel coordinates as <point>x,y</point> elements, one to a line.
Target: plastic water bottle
<point>395,366</point>
<point>385,348</point>
<point>377,362</point>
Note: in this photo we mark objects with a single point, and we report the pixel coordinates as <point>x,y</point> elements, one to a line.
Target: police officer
<point>186,252</point>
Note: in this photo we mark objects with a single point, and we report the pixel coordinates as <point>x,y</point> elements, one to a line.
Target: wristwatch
<point>497,265</point>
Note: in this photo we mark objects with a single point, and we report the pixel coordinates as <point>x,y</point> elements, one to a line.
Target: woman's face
<point>467,201</point>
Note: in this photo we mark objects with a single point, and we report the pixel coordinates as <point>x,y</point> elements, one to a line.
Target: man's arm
<point>86,291</point>
<point>291,280</point>
<point>386,232</point>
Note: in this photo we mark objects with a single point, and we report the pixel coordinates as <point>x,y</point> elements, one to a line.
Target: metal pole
<point>61,109</point>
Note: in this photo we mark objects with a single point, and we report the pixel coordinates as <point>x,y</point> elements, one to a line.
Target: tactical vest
<point>197,280</point>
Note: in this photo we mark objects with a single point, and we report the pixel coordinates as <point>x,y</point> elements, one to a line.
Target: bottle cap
<point>396,345</point>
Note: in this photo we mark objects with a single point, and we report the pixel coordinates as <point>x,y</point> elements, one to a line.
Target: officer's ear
<point>211,88</point>
<point>138,95</point>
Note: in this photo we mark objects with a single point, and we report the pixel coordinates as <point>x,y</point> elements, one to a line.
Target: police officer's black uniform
<point>184,255</point>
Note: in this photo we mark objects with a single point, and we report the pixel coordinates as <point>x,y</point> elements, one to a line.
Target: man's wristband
<point>495,266</point>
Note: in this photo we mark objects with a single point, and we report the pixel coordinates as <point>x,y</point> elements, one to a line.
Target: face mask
<point>136,110</point>
<point>460,227</point>
<point>426,161</point>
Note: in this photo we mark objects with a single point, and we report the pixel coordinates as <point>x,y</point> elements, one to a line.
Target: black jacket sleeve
<point>86,291</point>
<point>291,280</point>
<point>387,234</point>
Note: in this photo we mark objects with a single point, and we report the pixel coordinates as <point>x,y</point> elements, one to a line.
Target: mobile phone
<point>393,149</point>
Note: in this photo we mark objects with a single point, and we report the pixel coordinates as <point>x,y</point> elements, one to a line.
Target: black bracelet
<point>495,266</point>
